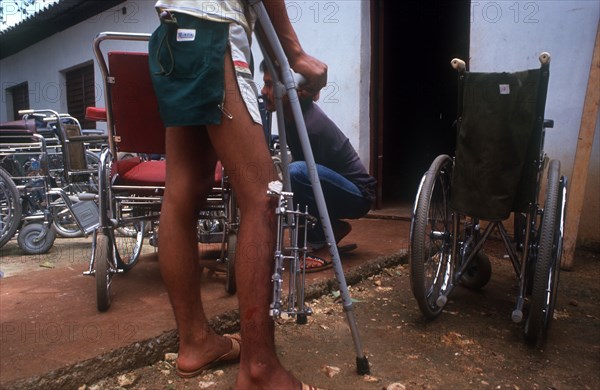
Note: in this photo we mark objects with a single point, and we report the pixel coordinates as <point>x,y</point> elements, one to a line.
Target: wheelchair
<point>131,174</point>
<point>499,169</point>
<point>45,165</point>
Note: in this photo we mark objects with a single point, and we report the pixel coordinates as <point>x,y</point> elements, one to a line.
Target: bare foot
<point>266,377</point>
<point>192,358</point>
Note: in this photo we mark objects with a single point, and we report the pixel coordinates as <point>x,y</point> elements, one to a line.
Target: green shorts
<point>186,57</point>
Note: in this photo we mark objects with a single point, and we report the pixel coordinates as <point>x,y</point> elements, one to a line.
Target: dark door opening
<point>414,42</point>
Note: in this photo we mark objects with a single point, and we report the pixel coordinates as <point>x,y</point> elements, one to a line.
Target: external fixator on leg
<point>290,256</point>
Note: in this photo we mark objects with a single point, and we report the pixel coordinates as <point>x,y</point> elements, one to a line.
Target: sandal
<point>319,264</point>
<point>230,357</point>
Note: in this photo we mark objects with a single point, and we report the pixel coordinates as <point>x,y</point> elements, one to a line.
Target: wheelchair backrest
<point>76,150</point>
<point>499,143</point>
<point>138,127</point>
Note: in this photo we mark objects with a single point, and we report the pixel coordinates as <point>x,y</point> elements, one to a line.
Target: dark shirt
<point>331,148</point>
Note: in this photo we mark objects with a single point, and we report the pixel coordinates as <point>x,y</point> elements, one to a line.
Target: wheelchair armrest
<point>92,132</point>
<point>548,123</point>
<point>87,138</point>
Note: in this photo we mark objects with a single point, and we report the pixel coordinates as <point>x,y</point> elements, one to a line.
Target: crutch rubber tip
<point>302,319</point>
<point>517,316</point>
<point>362,366</point>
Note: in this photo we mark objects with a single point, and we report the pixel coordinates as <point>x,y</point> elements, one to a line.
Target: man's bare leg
<point>190,175</point>
<point>243,151</point>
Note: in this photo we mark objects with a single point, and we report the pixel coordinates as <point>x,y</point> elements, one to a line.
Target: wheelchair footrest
<point>87,214</point>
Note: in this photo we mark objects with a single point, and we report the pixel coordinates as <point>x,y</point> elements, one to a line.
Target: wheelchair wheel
<point>231,231</point>
<point>10,208</point>
<point>479,273</point>
<point>102,270</point>
<point>128,247</point>
<point>230,286</point>
<point>431,243</point>
<point>30,242</point>
<point>547,268</point>
<point>64,224</point>
<point>92,159</point>
<point>129,228</point>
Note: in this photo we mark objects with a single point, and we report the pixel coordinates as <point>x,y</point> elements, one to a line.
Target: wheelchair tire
<point>102,271</point>
<point>231,230</point>
<point>10,207</point>
<point>547,268</point>
<point>431,243</point>
<point>30,242</point>
<point>128,247</point>
<point>478,274</point>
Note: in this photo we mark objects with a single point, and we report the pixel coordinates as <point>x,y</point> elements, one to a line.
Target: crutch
<point>272,42</point>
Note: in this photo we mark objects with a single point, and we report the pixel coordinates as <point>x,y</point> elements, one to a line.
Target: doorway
<point>414,100</point>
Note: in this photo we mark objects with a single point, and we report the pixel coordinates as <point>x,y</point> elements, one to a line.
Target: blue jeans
<point>342,197</point>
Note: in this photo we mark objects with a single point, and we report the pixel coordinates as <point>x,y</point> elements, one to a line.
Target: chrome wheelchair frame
<point>45,168</point>
<point>446,242</point>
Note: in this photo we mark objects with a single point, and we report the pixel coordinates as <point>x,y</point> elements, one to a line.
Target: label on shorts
<point>185,34</point>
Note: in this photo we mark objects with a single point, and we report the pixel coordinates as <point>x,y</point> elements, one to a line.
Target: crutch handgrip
<point>299,79</point>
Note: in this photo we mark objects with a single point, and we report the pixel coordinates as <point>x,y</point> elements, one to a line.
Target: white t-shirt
<point>231,11</point>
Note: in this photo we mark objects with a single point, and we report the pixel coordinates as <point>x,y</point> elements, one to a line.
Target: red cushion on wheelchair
<point>95,114</point>
<point>135,171</point>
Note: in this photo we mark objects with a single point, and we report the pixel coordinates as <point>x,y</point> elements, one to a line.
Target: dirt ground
<point>472,345</point>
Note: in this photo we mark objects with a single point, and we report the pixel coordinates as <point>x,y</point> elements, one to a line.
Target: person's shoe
<point>316,264</point>
<point>340,230</point>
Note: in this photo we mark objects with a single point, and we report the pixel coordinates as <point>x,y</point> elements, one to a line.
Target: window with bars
<point>81,93</point>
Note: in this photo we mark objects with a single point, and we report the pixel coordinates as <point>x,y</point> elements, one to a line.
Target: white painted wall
<point>41,64</point>
<point>336,32</point>
<point>510,35</point>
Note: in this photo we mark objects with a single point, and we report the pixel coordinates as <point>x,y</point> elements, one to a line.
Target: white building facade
<point>504,36</point>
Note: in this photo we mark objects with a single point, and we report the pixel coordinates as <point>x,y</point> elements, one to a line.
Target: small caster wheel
<point>33,242</point>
